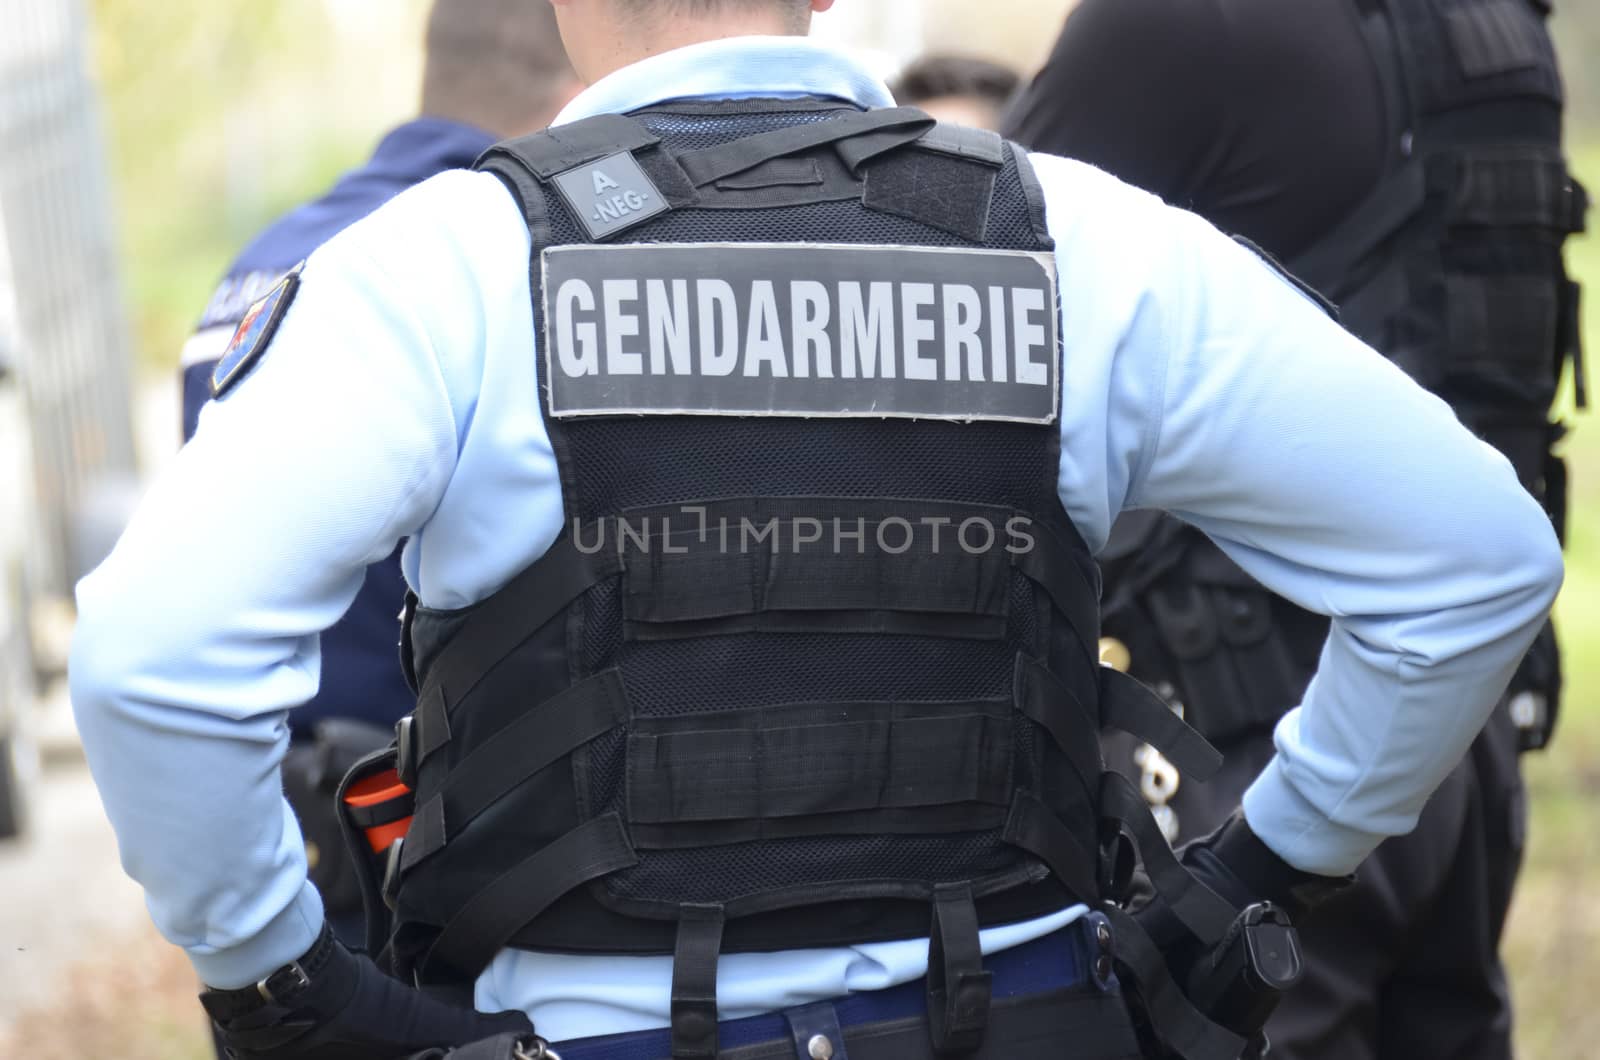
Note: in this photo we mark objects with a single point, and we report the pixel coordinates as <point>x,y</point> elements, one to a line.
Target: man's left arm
<point>203,624</point>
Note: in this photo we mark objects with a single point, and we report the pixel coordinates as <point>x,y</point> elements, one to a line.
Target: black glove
<point>1237,980</point>
<point>333,1004</point>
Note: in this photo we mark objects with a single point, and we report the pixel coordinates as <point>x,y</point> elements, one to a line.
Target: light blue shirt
<point>399,400</point>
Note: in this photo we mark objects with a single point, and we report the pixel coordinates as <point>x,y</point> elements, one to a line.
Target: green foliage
<point>218,119</point>
<point>1553,944</point>
<point>1576,26</point>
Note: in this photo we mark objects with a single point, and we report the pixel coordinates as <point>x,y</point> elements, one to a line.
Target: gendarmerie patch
<point>611,195</point>
<point>254,334</point>
<point>723,329</point>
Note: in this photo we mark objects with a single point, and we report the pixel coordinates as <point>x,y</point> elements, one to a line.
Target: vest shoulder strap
<point>554,151</point>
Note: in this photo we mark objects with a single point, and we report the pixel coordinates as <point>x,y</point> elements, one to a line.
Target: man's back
<point>1267,119</point>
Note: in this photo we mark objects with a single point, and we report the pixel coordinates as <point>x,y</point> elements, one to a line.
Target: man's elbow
<point>95,671</point>
<point>1527,551</point>
<point>108,657</point>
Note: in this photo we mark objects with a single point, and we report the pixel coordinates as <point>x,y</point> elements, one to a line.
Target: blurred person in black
<point>1404,156</point>
<point>961,89</point>
<point>494,69</point>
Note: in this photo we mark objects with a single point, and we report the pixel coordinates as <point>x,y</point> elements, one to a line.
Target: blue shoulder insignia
<point>254,334</point>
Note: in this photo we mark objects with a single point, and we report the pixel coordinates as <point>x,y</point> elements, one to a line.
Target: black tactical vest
<point>814,661</point>
<point>1452,267</point>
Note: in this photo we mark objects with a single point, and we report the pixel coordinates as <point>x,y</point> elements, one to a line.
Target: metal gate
<point>72,341</point>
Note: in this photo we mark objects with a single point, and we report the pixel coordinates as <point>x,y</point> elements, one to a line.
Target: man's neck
<point>636,44</point>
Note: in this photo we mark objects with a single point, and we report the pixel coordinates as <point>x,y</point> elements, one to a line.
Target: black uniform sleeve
<point>1131,87</point>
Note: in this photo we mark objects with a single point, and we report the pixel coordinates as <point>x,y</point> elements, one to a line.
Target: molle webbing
<point>660,740</point>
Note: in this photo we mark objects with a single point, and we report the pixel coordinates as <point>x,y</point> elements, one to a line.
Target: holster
<point>312,771</point>
<point>375,808</point>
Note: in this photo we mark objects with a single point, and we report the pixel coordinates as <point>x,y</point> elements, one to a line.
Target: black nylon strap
<point>1207,916</point>
<point>1033,191</point>
<point>1572,341</point>
<point>1328,264</point>
<point>380,814</point>
<point>431,729</point>
<point>1049,702</point>
<point>534,742</point>
<point>1041,833</point>
<point>959,989</point>
<point>960,141</point>
<point>1178,1024</point>
<point>874,756</point>
<point>554,151</point>
<point>1128,705</point>
<point>1050,566</point>
<point>697,574</point>
<point>488,920</point>
<point>502,622</point>
<point>884,129</point>
<point>694,982</point>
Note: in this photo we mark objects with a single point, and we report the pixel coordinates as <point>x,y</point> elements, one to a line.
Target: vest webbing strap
<point>694,982</point>
<point>1050,566</point>
<point>430,725</point>
<point>1394,202</point>
<point>1050,703</point>
<point>501,623</point>
<point>488,920</point>
<point>866,756</point>
<point>1035,828</point>
<point>704,582</point>
<point>1128,705</point>
<point>678,578</point>
<point>1327,265</point>
<point>959,990</point>
<point>554,151</point>
<point>1207,916</point>
<point>1177,1023</point>
<point>876,131</point>
<point>535,741</point>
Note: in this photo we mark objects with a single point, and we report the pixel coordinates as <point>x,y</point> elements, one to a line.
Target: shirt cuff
<point>1298,832</point>
<point>285,939</point>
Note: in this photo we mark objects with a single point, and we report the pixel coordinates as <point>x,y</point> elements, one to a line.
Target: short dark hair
<point>497,64</point>
<point>936,76</point>
<point>797,9</point>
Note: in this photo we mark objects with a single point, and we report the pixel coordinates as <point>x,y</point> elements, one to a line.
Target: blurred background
<point>141,145</point>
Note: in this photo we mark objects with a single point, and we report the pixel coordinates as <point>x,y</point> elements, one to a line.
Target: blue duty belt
<point>1073,961</point>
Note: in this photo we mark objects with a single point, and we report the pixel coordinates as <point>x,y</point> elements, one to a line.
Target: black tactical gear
<point>700,723</point>
<point>1452,267</point>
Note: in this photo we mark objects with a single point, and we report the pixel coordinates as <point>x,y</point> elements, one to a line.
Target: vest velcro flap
<point>842,565</point>
<point>818,759</point>
<point>1518,186</point>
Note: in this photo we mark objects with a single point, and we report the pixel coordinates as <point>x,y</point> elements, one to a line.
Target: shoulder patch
<point>254,334</point>
<point>611,195</point>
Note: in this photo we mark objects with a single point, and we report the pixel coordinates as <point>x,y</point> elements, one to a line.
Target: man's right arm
<point>1236,403</point>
